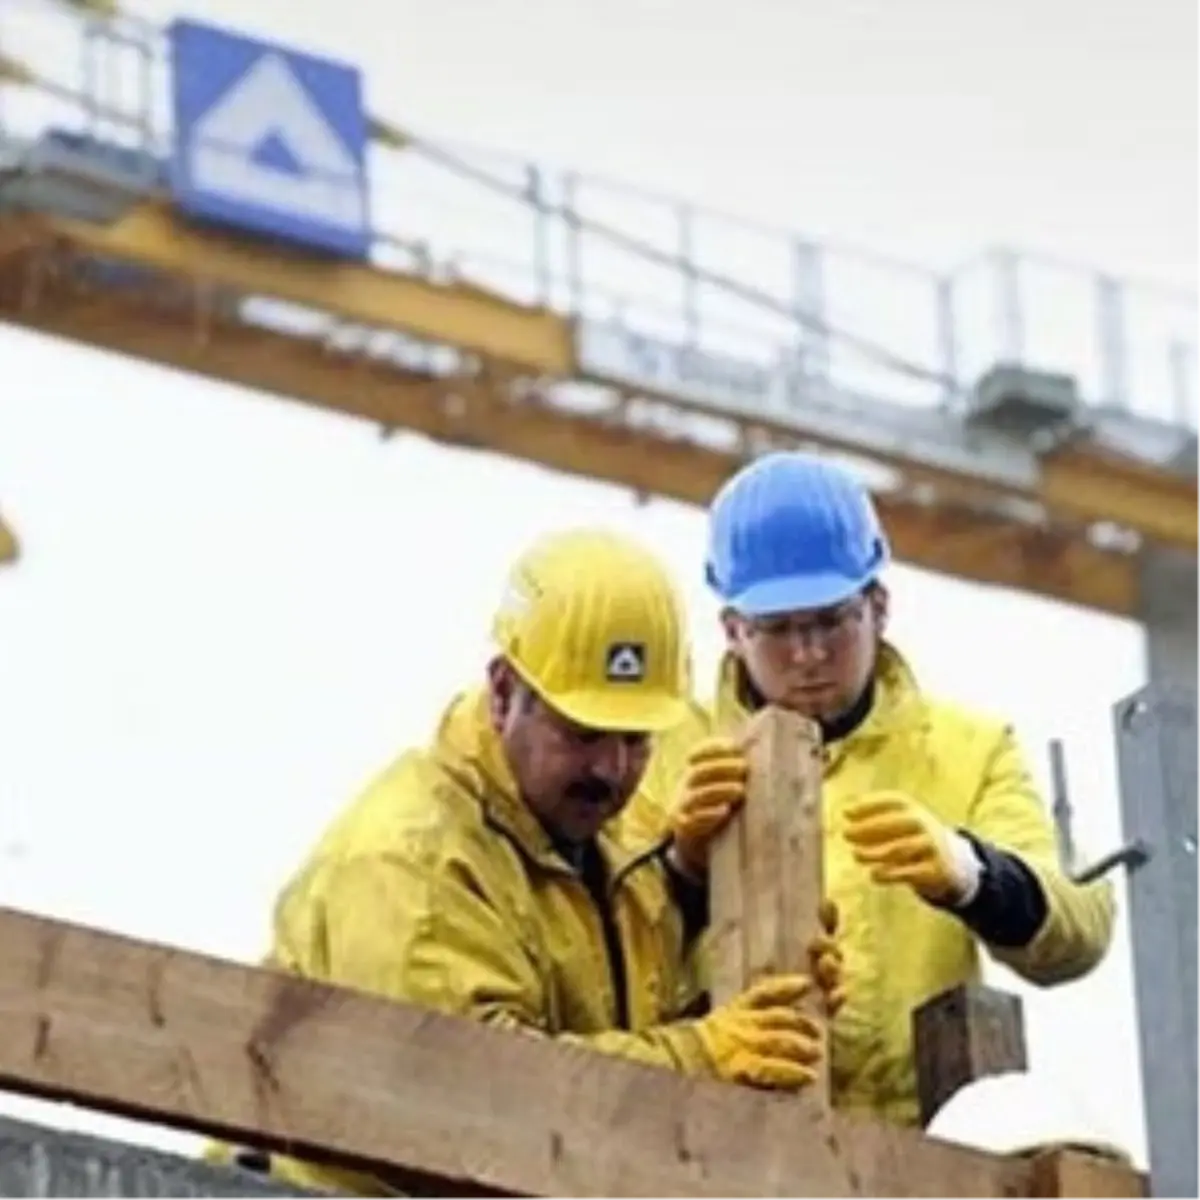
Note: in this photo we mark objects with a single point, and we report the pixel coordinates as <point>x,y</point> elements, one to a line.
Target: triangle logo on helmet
<point>626,662</point>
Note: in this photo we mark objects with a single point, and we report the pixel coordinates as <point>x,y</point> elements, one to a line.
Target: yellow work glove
<point>714,787</point>
<point>762,1038</point>
<point>825,959</point>
<point>901,841</point>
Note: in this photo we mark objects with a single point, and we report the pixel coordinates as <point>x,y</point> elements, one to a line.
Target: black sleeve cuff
<point>1010,906</point>
<point>690,896</point>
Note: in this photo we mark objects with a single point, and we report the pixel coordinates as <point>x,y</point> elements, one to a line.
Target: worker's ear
<point>502,686</point>
<point>881,604</point>
<point>731,624</point>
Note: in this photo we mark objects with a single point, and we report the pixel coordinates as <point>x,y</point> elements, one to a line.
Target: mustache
<point>591,791</point>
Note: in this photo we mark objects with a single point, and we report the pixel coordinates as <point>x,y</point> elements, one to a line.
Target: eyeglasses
<point>820,630</point>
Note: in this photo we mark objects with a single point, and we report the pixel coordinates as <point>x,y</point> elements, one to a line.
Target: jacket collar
<point>467,747</point>
<point>899,705</point>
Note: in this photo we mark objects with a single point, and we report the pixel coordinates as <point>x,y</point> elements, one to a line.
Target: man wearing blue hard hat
<point>936,840</point>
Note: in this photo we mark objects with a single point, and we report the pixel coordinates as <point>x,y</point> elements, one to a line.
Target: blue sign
<point>269,140</point>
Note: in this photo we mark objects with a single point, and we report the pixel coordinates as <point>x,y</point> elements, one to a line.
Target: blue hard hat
<point>792,531</point>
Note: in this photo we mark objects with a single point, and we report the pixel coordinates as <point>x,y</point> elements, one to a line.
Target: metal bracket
<point>1131,855</point>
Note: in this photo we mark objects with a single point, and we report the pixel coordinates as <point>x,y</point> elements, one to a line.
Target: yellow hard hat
<point>592,622</point>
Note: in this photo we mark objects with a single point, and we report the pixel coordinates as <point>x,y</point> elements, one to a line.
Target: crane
<point>1013,478</point>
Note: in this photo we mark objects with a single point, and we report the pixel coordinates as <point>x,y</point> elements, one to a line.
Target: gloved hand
<point>903,842</point>
<point>762,1038</point>
<point>825,958</point>
<point>713,790</point>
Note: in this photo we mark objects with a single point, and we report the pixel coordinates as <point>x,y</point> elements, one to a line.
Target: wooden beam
<point>1159,503</point>
<point>272,1060</point>
<point>155,235</point>
<point>1066,1171</point>
<point>766,878</point>
<point>962,1035</point>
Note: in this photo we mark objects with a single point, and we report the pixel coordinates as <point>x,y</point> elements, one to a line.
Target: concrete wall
<point>37,1161</point>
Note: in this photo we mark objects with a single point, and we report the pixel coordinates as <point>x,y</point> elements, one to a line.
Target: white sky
<point>232,611</point>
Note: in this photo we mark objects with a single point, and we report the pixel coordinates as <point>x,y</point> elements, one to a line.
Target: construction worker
<point>489,874</point>
<point>936,840</point>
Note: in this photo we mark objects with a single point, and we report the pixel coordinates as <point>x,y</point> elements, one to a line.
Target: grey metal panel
<point>1156,753</point>
<point>1167,609</point>
<point>36,1161</point>
<point>74,176</point>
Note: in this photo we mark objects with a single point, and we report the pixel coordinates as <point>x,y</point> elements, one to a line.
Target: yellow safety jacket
<point>900,951</point>
<point>438,886</point>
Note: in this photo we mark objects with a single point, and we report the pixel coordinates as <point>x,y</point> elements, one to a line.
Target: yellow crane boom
<point>185,310</point>
<point>422,347</point>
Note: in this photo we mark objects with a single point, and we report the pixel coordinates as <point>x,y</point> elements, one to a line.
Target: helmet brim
<point>797,593</point>
<point>615,711</point>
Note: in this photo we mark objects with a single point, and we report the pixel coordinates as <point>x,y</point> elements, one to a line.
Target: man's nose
<point>808,646</point>
<point>611,762</point>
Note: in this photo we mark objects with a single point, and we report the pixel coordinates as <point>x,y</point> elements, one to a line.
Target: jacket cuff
<point>687,1046</point>
<point>690,896</point>
<point>1010,905</point>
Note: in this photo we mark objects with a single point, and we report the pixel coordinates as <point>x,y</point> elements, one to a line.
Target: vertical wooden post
<point>766,868</point>
<point>962,1035</point>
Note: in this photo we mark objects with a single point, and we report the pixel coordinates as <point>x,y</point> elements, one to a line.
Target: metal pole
<point>1156,756</point>
<point>809,303</point>
<point>686,220</point>
<point>1183,399</point>
<point>1062,805</point>
<point>90,76</point>
<point>574,251</point>
<point>1009,308</point>
<point>1110,330</point>
<point>947,327</point>
<point>541,234</point>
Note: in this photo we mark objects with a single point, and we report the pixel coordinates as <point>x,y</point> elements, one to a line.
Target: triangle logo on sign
<point>626,662</point>
<point>273,152</point>
<point>269,144</point>
<point>269,101</point>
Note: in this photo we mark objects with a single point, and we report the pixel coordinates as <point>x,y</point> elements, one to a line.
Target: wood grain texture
<point>1067,1171</point>
<point>766,869</point>
<point>964,1034</point>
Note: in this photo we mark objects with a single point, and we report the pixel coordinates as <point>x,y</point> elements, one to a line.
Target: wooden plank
<point>766,870</point>
<point>962,1035</point>
<point>726,945</point>
<point>1067,1171</point>
<point>267,1059</point>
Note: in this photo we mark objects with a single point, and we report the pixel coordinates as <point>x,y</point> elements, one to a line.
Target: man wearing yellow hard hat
<point>937,844</point>
<point>489,874</point>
